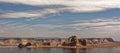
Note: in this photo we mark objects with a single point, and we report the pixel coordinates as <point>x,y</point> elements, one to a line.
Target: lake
<point>59,50</point>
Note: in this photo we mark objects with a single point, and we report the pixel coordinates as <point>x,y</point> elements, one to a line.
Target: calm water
<point>59,50</point>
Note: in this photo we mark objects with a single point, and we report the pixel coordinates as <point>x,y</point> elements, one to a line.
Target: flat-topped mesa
<point>74,41</point>
<point>71,42</point>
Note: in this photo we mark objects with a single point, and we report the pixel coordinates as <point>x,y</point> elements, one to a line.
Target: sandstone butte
<point>71,42</point>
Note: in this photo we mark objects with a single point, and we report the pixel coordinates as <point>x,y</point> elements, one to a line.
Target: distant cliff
<point>70,42</point>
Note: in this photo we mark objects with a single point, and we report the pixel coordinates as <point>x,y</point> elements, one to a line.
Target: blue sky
<point>60,18</point>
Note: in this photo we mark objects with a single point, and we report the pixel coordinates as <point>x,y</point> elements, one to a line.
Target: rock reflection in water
<point>76,50</point>
<point>59,50</point>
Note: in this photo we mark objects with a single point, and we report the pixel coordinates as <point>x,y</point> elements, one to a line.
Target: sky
<point>60,18</point>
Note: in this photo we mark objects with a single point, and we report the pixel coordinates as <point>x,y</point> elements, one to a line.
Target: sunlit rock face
<point>75,41</point>
<point>24,41</point>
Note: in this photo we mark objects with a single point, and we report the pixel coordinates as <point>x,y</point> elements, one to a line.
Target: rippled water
<point>59,50</point>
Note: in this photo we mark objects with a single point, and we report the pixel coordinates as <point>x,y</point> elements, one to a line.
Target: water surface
<point>59,50</point>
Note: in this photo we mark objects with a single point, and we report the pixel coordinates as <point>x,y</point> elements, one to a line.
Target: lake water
<point>59,50</point>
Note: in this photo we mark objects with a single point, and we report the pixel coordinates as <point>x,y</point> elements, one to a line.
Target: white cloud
<point>2,31</point>
<point>83,29</point>
<point>40,30</point>
<point>69,5</point>
<point>97,28</point>
<point>3,22</point>
<point>72,5</point>
<point>28,14</point>
<point>112,23</point>
<point>49,26</point>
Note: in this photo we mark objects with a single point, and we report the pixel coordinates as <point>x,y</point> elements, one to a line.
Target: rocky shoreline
<point>110,45</point>
<point>71,42</point>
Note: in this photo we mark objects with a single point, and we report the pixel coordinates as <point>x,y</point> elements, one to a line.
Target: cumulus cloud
<point>72,5</point>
